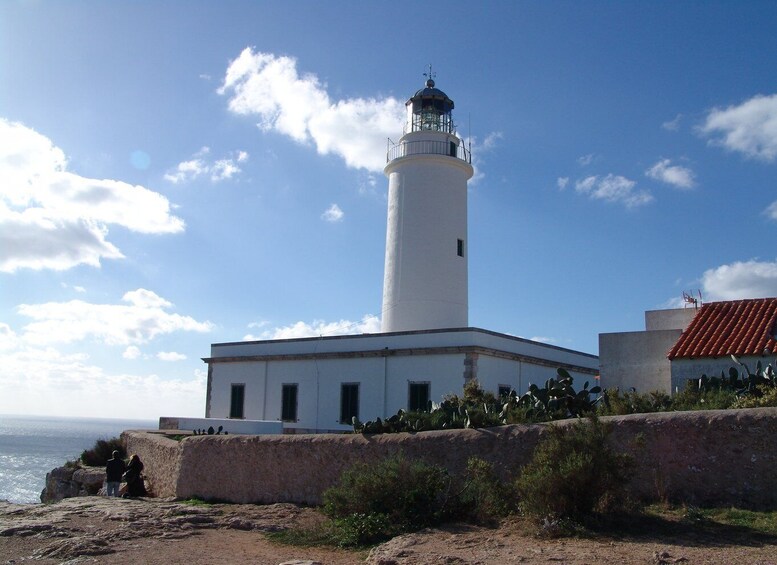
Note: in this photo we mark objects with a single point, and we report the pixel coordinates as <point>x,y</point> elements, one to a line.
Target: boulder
<point>67,482</point>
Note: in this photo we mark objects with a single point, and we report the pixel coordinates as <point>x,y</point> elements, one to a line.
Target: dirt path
<point>100,530</point>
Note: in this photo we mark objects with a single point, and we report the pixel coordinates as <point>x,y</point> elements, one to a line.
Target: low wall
<point>721,457</point>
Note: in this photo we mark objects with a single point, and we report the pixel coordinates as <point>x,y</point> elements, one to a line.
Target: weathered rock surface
<point>95,529</point>
<point>67,482</point>
<point>85,528</point>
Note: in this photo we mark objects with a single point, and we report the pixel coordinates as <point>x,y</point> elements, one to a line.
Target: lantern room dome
<point>429,109</point>
<point>430,93</point>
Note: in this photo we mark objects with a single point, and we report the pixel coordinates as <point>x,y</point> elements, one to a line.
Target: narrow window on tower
<point>349,402</point>
<point>418,397</point>
<point>460,247</point>
<point>237,401</point>
<point>289,403</point>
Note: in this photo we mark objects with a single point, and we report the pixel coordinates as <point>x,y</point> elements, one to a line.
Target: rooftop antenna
<point>689,298</point>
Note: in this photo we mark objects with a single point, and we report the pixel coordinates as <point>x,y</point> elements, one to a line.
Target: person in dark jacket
<point>114,469</point>
<point>135,483</point>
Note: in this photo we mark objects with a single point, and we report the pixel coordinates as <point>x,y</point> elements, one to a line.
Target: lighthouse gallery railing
<point>428,147</point>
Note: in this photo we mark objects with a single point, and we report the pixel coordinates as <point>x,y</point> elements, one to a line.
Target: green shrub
<point>574,474</point>
<point>767,397</point>
<point>102,451</point>
<point>394,496</point>
<point>694,397</point>
<point>361,529</point>
<point>483,498</point>
<point>617,403</point>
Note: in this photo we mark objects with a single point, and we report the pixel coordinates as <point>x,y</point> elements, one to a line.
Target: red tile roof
<point>736,327</point>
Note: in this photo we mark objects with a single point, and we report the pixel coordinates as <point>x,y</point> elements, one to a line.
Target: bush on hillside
<point>483,498</point>
<point>102,451</point>
<point>574,474</point>
<point>375,502</point>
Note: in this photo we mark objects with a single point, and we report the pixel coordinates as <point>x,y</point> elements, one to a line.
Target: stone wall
<point>161,457</point>
<point>726,457</point>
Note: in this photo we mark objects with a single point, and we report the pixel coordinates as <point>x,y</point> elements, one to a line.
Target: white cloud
<point>562,182</point>
<point>141,319</point>
<point>8,337</point>
<point>333,214</point>
<point>771,211</point>
<point>542,339</point>
<point>219,169</point>
<point>170,356</point>
<point>478,150</point>
<point>132,352</point>
<point>613,188</point>
<point>68,385</point>
<point>672,125</point>
<point>677,176</point>
<point>368,324</point>
<point>749,128</point>
<point>51,218</point>
<point>223,169</point>
<point>491,141</point>
<point>585,160</point>
<point>187,170</point>
<point>748,279</point>
<point>298,106</point>
<point>368,184</point>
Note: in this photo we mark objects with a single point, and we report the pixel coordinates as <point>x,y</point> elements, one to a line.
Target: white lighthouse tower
<point>425,279</point>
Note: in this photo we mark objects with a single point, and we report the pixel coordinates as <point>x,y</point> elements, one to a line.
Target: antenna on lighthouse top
<point>430,77</point>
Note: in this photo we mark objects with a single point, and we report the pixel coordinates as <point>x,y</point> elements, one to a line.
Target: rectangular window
<point>237,401</point>
<point>418,397</point>
<point>349,402</point>
<point>460,247</point>
<point>289,403</point>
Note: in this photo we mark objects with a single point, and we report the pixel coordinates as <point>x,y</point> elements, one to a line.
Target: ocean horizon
<point>31,446</point>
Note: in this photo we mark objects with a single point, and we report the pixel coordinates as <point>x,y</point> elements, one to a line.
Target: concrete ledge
<point>228,425</point>
<point>725,457</point>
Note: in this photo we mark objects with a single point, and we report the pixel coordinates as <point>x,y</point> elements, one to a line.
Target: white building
<point>686,343</point>
<point>427,349</point>
<point>638,359</point>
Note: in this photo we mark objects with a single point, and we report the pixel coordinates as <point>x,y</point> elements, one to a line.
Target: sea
<point>31,446</point>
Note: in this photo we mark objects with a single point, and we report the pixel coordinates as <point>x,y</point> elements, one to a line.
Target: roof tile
<point>735,327</point>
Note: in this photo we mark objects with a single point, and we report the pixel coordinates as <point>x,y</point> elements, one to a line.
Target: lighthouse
<point>426,349</point>
<point>425,278</point>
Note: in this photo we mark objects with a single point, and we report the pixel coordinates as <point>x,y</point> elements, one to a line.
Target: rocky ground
<point>95,529</point>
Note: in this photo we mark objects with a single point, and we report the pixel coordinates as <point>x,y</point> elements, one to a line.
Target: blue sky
<point>182,173</point>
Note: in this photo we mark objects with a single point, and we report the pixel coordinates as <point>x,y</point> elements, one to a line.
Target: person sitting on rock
<point>135,483</point>
<point>114,469</point>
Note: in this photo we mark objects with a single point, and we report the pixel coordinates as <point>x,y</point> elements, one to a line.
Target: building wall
<point>383,365</point>
<point>637,360</point>
<point>685,369</point>
<point>670,319</point>
<point>675,458</point>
